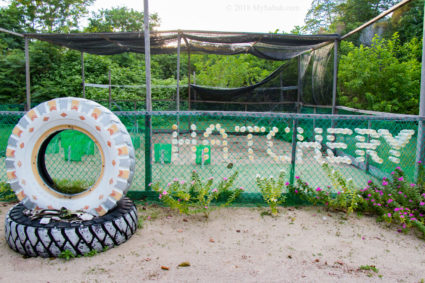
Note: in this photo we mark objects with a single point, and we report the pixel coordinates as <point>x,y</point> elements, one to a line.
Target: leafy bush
<point>272,190</point>
<point>376,77</point>
<point>6,193</point>
<point>196,196</point>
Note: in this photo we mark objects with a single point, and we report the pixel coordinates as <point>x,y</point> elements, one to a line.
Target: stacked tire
<point>116,217</point>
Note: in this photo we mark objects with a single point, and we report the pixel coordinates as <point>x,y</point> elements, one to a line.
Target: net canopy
<point>304,77</point>
<point>264,45</point>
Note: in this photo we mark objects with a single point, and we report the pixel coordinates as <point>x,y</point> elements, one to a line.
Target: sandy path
<point>237,244</point>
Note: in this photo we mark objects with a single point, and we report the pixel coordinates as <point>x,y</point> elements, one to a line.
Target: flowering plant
<point>272,190</point>
<point>397,200</point>
<point>196,196</point>
<point>341,195</point>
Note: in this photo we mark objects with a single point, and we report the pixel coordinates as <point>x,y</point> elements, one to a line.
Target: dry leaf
<point>165,267</point>
<point>184,264</point>
<point>212,240</point>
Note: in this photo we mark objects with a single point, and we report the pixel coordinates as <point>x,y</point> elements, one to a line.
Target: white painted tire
<point>29,140</point>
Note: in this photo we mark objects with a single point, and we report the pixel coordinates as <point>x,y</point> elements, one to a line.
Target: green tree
<point>382,77</point>
<point>321,15</point>
<point>119,20</point>
<point>51,15</point>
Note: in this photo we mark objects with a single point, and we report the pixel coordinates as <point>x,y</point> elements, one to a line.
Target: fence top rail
<point>300,116</point>
<point>407,118</point>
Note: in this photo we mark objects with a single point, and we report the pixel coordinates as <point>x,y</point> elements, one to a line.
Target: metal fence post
<point>148,121</point>
<point>420,151</point>
<point>293,150</point>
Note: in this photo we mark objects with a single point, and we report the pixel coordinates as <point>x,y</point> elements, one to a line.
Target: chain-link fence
<point>216,144</point>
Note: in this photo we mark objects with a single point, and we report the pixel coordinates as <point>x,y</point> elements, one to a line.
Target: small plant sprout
<point>272,190</point>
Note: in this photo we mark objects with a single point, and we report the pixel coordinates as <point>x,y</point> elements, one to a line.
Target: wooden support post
<point>27,74</point>
<point>110,89</point>
<point>83,79</point>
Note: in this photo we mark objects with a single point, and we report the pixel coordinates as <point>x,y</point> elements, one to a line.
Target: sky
<point>221,15</point>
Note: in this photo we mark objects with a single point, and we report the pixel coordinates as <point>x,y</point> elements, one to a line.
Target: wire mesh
<point>216,144</point>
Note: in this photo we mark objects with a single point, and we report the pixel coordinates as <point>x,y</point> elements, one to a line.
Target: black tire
<point>31,238</point>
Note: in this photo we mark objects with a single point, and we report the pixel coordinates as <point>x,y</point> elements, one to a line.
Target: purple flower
<point>369,195</point>
<point>413,219</point>
<point>384,183</point>
<point>419,162</point>
<point>389,195</point>
<point>401,216</point>
<point>390,201</point>
<point>398,168</point>
<point>401,179</point>
<point>225,179</point>
<point>369,182</point>
<point>296,191</point>
<point>378,204</point>
<point>396,209</point>
<point>392,173</point>
<point>412,185</point>
<point>193,182</point>
<point>400,193</point>
<point>164,192</point>
<point>287,184</point>
<point>389,214</point>
<point>372,200</point>
<point>338,192</point>
<point>318,189</point>
<point>422,203</point>
<point>169,184</point>
<point>297,177</point>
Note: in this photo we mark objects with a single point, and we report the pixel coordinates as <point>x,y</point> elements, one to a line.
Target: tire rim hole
<point>69,162</point>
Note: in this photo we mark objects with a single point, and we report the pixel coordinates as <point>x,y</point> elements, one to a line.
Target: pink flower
<point>369,195</point>
<point>296,191</point>
<point>206,207</point>
<point>164,192</point>
<point>396,209</point>
<point>400,193</point>
<point>211,178</point>
<point>412,185</point>
<point>372,200</point>
<point>160,196</point>
<point>182,182</point>
<point>169,184</point>
<point>392,173</point>
<point>215,190</point>
<point>193,182</point>
<point>401,179</point>
<point>389,214</point>
<point>175,180</point>
<point>225,179</point>
<point>390,201</point>
<point>297,177</point>
<point>384,183</point>
<point>369,182</point>
<point>419,162</point>
<point>241,188</point>
<point>401,216</point>
<point>150,184</point>
<point>287,184</point>
<point>398,168</point>
<point>338,192</point>
<point>422,203</point>
<point>318,189</point>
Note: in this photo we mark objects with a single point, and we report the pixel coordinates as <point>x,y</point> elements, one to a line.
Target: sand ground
<point>237,244</point>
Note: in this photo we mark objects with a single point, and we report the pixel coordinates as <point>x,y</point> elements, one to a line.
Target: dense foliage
<point>377,72</point>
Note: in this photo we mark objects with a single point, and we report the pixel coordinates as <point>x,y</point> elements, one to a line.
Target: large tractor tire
<point>31,238</point>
